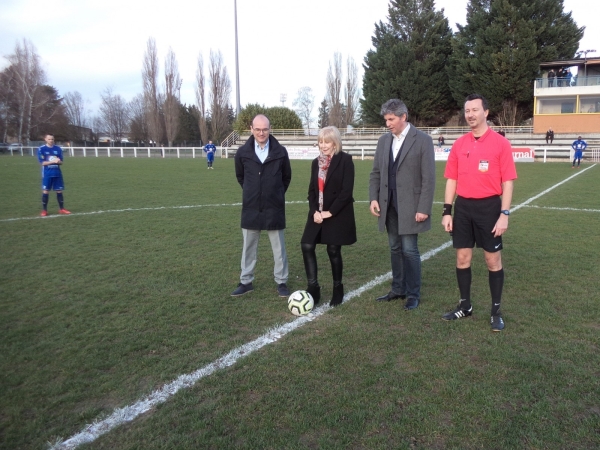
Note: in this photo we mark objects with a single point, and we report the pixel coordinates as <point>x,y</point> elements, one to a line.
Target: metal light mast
<point>237,64</point>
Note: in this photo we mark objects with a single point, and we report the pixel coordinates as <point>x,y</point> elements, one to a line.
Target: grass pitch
<point>101,308</point>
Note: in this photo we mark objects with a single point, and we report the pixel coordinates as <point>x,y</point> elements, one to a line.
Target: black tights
<point>310,263</point>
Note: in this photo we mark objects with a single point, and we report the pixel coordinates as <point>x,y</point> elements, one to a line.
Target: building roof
<point>593,61</point>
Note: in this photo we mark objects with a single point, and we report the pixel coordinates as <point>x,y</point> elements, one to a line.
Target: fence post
<point>135,152</point>
<point>121,152</point>
<point>193,152</point>
<point>96,148</point>
<point>177,152</point>
<point>84,152</point>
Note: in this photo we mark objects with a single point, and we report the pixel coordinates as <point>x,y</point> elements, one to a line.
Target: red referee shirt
<point>480,166</point>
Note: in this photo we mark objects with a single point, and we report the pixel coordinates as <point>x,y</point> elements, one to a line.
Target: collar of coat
<point>409,140</point>
<point>276,150</point>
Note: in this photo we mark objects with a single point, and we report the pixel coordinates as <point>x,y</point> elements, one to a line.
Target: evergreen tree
<point>189,131</point>
<point>323,114</point>
<point>279,116</point>
<point>409,62</point>
<point>498,52</point>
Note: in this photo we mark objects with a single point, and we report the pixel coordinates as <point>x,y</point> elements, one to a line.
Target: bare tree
<point>6,95</point>
<point>305,103</point>
<point>220,92</point>
<point>138,124</point>
<point>29,76</point>
<point>351,91</point>
<point>114,113</point>
<point>152,96</point>
<point>75,109</point>
<point>201,100</point>
<point>334,91</point>
<point>171,103</point>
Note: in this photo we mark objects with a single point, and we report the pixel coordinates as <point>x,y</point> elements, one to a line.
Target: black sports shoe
<point>242,289</point>
<point>282,290</point>
<point>497,322</point>
<point>458,313</point>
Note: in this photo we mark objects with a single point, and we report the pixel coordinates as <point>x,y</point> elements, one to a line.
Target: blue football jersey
<point>46,153</point>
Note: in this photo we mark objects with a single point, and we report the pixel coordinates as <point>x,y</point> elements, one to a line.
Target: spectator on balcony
<point>560,76</point>
<point>549,135</point>
<point>551,77</point>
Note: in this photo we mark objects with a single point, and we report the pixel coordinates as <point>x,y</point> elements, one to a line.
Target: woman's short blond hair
<point>331,134</point>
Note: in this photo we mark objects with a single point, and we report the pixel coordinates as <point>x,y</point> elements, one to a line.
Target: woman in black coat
<point>331,212</point>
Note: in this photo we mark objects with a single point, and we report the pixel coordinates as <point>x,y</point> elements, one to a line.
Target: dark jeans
<point>406,260</point>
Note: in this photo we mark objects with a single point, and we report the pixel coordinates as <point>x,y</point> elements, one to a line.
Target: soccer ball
<point>300,303</point>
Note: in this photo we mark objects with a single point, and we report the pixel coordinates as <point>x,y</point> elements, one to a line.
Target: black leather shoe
<point>242,289</point>
<point>390,296</point>
<point>411,303</point>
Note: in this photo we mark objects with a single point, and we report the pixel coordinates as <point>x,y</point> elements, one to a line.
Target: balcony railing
<point>567,82</point>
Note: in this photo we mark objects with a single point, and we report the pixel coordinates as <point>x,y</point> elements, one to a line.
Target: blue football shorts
<point>56,183</point>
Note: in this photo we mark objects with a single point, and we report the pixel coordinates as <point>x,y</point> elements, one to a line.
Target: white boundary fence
<point>124,152</point>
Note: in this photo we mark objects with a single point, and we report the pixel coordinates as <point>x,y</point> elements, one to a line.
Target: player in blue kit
<point>50,157</point>
<point>210,150</point>
<point>579,146</point>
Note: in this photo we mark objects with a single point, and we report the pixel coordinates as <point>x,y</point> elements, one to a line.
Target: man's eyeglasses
<point>261,130</point>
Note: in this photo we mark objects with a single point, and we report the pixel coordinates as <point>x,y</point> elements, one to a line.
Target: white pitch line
<point>157,208</point>
<point>555,208</point>
<point>129,413</point>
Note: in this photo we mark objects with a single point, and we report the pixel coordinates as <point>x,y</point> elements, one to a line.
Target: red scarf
<point>324,162</point>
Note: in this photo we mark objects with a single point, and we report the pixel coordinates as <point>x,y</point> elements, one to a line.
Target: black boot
<point>338,294</point>
<point>315,292</point>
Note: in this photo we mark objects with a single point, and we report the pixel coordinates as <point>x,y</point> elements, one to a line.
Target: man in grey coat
<point>401,188</point>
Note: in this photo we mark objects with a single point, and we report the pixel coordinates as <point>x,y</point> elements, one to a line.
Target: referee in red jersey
<point>480,173</point>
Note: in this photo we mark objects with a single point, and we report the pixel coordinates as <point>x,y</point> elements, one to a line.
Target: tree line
<point>415,57</point>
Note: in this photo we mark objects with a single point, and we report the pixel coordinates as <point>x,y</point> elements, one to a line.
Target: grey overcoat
<point>415,180</point>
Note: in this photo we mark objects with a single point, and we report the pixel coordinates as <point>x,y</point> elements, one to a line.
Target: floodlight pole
<point>237,63</point>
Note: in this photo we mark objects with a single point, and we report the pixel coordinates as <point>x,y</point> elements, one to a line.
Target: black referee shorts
<point>473,222</point>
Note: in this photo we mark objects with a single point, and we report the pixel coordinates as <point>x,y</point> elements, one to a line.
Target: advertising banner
<point>303,152</point>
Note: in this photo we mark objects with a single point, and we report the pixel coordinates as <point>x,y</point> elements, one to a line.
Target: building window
<point>556,105</point>
<point>588,105</point>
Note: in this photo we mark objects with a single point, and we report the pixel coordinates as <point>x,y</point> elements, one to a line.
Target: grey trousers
<point>250,250</point>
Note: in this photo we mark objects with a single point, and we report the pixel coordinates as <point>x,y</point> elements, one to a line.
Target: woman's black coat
<point>340,229</point>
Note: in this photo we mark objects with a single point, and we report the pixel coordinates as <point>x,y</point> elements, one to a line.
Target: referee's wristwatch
<point>506,212</point>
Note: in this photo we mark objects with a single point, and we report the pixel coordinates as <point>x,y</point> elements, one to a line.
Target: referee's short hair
<point>484,102</point>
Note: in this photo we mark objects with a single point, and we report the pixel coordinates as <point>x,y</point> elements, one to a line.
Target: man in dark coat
<point>401,188</point>
<point>262,167</point>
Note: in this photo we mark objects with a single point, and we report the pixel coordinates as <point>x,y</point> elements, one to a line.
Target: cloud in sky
<point>87,46</point>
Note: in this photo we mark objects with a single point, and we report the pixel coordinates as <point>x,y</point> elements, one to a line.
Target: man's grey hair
<point>394,106</point>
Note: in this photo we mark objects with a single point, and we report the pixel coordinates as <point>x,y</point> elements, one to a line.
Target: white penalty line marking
<point>129,413</point>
